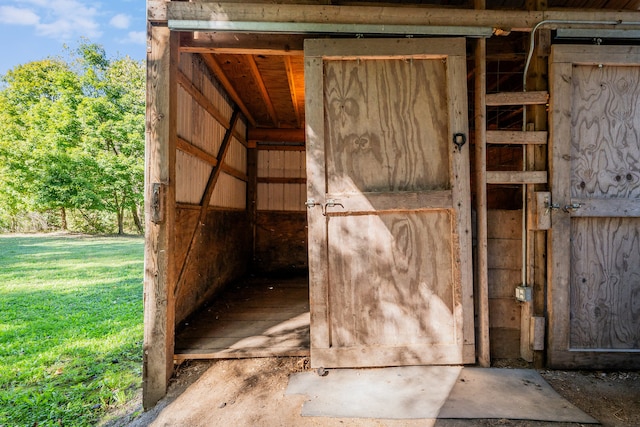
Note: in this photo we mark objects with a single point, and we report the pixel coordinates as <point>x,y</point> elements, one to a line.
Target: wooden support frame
<point>160,160</point>
<point>206,196</point>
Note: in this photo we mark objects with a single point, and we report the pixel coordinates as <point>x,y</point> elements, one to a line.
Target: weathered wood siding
<point>605,251</point>
<point>219,250</point>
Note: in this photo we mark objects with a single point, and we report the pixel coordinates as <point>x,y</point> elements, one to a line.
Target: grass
<point>71,327</point>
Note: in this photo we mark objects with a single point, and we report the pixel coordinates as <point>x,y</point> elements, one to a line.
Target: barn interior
<point>241,221</point>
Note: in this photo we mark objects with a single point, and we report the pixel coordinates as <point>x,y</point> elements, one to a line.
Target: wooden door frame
<point>316,51</point>
<point>562,60</point>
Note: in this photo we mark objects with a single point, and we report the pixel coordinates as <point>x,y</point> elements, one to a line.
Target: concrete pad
<point>421,392</point>
<point>517,394</point>
<point>389,393</point>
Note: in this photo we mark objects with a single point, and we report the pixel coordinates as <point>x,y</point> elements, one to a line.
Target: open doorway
<point>259,305</point>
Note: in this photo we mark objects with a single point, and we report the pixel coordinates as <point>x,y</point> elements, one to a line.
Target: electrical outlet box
<point>524,293</point>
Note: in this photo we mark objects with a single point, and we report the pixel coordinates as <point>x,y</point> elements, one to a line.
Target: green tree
<point>38,126</point>
<point>72,136</point>
<point>113,131</point>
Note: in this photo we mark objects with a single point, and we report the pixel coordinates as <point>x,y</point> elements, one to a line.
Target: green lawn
<point>71,326</point>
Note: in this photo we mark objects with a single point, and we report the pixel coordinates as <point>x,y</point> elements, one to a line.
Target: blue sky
<point>35,29</point>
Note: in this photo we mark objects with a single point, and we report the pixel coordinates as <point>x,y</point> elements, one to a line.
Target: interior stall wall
<point>213,237</point>
<point>281,219</point>
<point>504,258</point>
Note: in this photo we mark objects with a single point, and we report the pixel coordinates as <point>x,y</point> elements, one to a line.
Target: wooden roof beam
<point>292,89</point>
<point>514,20</point>
<point>264,93</point>
<point>216,69</point>
<point>244,43</point>
<point>276,135</point>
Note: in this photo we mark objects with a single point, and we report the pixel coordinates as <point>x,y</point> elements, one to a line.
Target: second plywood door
<point>390,253</point>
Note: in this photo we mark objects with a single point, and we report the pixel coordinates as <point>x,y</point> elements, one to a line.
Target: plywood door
<point>595,246</point>
<point>389,246</point>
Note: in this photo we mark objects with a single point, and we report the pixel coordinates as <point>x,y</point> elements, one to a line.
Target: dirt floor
<point>250,392</point>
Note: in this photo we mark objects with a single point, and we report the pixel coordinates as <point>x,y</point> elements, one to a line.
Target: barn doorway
<point>424,213</point>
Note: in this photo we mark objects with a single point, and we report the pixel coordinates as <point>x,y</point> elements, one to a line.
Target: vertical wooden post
<point>252,193</point>
<point>536,240</point>
<point>482,269</point>
<point>159,268</point>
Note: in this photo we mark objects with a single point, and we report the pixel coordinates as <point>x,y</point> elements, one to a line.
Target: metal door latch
<point>311,203</point>
<point>572,207</point>
<point>548,207</point>
<point>331,203</point>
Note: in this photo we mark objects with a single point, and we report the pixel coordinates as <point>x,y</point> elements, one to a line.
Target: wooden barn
<point>390,183</point>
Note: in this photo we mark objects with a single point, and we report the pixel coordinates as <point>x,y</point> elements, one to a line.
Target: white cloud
<point>59,19</point>
<point>18,16</point>
<point>136,37</point>
<point>120,21</point>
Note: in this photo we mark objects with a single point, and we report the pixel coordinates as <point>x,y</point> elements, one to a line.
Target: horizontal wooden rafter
<point>516,137</point>
<point>276,135</point>
<point>205,103</point>
<point>280,147</point>
<point>281,180</point>
<point>516,177</point>
<point>517,98</point>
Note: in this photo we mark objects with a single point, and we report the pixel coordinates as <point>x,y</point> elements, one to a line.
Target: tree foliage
<point>72,138</point>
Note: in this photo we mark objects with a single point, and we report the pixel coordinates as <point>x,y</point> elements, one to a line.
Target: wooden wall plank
<point>516,137</point>
<point>605,261</point>
<point>516,177</point>
<point>281,241</point>
<point>205,103</point>
<point>517,98</point>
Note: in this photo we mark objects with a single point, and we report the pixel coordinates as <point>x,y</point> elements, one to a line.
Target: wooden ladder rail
<point>484,177</point>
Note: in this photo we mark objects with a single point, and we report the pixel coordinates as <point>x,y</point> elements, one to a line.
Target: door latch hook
<point>459,139</point>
